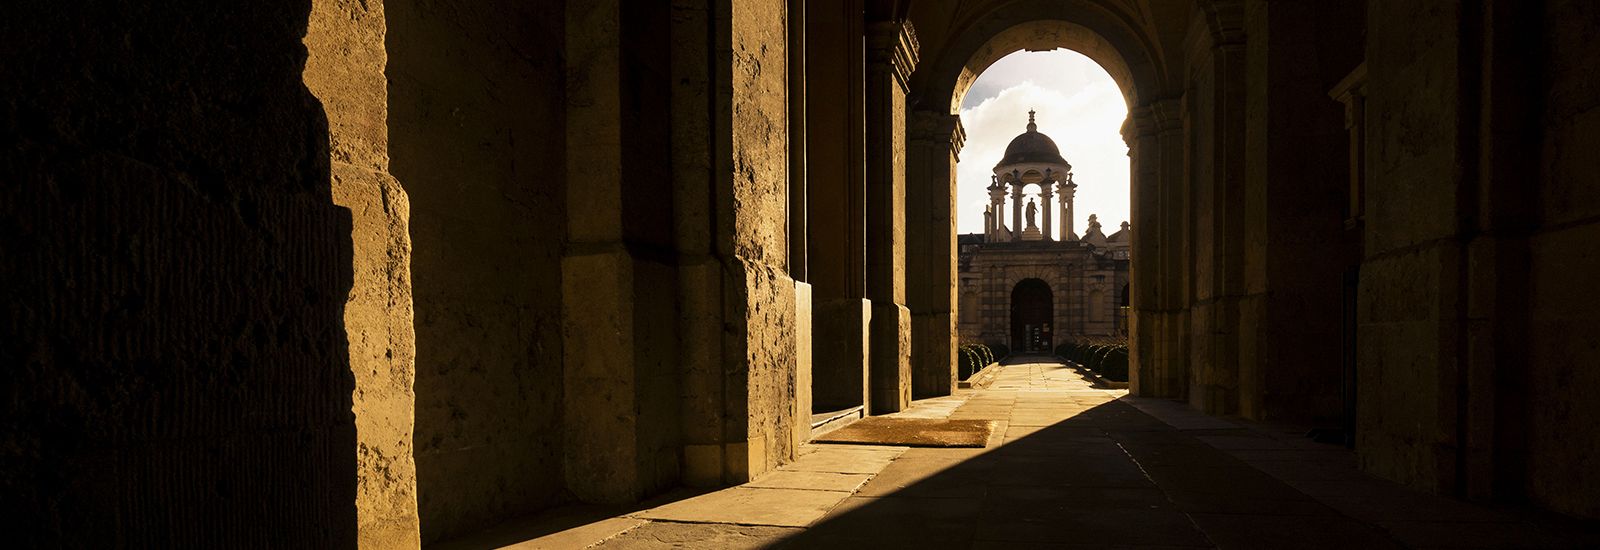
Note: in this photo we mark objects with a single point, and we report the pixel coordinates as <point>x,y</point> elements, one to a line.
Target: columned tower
<point>1032,158</point>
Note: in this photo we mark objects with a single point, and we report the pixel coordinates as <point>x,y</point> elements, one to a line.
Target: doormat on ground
<point>912,432</point>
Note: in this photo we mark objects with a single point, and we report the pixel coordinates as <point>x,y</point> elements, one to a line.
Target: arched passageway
<point>1032,313</point>
<point>381,273</point>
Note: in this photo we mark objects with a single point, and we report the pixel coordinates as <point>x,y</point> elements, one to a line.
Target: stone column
<point>1044,209</point>
<point>891,56</point>
<point>997,204</point>
<point>1218,234</point>
<point>1066,189</point>
<point>935,140</point>
<point>613,439</point>
<point>1173,274</point>
<point>835,192</point>
<point>1158,332</point>
<point>1016,210</point>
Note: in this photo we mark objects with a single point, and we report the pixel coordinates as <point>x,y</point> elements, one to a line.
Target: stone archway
<point>1133,46</point>
<point>1032,316</point>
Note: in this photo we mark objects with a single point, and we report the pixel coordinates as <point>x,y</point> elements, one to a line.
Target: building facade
<point>1031,285</point>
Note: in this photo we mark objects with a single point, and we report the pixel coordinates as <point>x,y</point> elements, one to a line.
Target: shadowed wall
<point>476,117</point>
<point>175,275</point>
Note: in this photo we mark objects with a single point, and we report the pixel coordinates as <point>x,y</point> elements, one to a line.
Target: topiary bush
<point>1105,355</point>
<point>969,362</point>
<point>1115,365</point>
<point>973,358</point>
<point>1000,351</point>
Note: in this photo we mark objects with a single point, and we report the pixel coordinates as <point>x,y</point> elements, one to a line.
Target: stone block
<point>890,380</point>
<point>802,373</point>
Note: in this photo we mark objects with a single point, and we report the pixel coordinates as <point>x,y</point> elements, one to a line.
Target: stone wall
<point>619,332</point>
<point>177,271</point>
<point>1562,435</point>
<point>475,112</point>
<point>1410,287</point>
<point>1297,178</point>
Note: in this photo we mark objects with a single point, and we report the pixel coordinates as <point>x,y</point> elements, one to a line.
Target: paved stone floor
<point>1068,466</point>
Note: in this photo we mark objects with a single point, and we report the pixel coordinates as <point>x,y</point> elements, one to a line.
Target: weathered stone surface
<point>889,377</point>
<point>801,416</point>
<point>844,459</point>
<point>841,344</point>
<point>748,506</point>
<point>485,228</point>
<point>345,69</point>
<point>697,535</point>
<point>177,271</point>
<point>1563,440</point>
<point>800,479</point>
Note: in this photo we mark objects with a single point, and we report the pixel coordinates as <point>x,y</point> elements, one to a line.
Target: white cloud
<point>1079,107</point>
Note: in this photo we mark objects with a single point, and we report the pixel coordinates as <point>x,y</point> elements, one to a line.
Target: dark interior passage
<point>1032,312</point>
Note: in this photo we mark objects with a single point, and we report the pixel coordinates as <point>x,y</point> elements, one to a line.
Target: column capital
<point>1352,92</point>
<point>925,125</point>
<point>1225,20</point>
<point>1153,118</point>
<point>1066,189</point>
<point>892,46</point>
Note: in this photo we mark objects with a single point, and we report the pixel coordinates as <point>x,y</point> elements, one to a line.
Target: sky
<point>1079,107</point>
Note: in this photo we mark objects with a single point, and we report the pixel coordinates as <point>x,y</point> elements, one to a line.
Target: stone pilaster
<point>935,140</point>
<point>891,56</point>
<point>997,205</point>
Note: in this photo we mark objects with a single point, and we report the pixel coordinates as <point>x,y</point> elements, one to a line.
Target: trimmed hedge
<point>1001,351</point>
<point>974,357</point>
<point>1106,356</point>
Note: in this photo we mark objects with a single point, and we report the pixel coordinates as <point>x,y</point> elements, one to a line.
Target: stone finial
<point>1093,235</point>
<point>1032,127</point>
<point>1124,225</point>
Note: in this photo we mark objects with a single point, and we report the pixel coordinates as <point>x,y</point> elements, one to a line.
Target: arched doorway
<point>1032,305</point>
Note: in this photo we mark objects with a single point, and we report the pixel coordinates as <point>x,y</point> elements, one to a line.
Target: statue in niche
<point>1032,211</point>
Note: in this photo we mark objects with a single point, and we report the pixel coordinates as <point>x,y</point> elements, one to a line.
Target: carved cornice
<point>1168,114</point>
<point>1351,91</point>
<point>1153,118</point>
<point>1225,20</point>
<point>924,125</point>
<point>892,46</point>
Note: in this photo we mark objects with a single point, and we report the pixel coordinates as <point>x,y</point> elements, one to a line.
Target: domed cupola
<point>1032,147</point>
<point>1031,159</point>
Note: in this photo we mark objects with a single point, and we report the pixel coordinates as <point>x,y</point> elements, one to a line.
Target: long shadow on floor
<point>1108,476</point>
